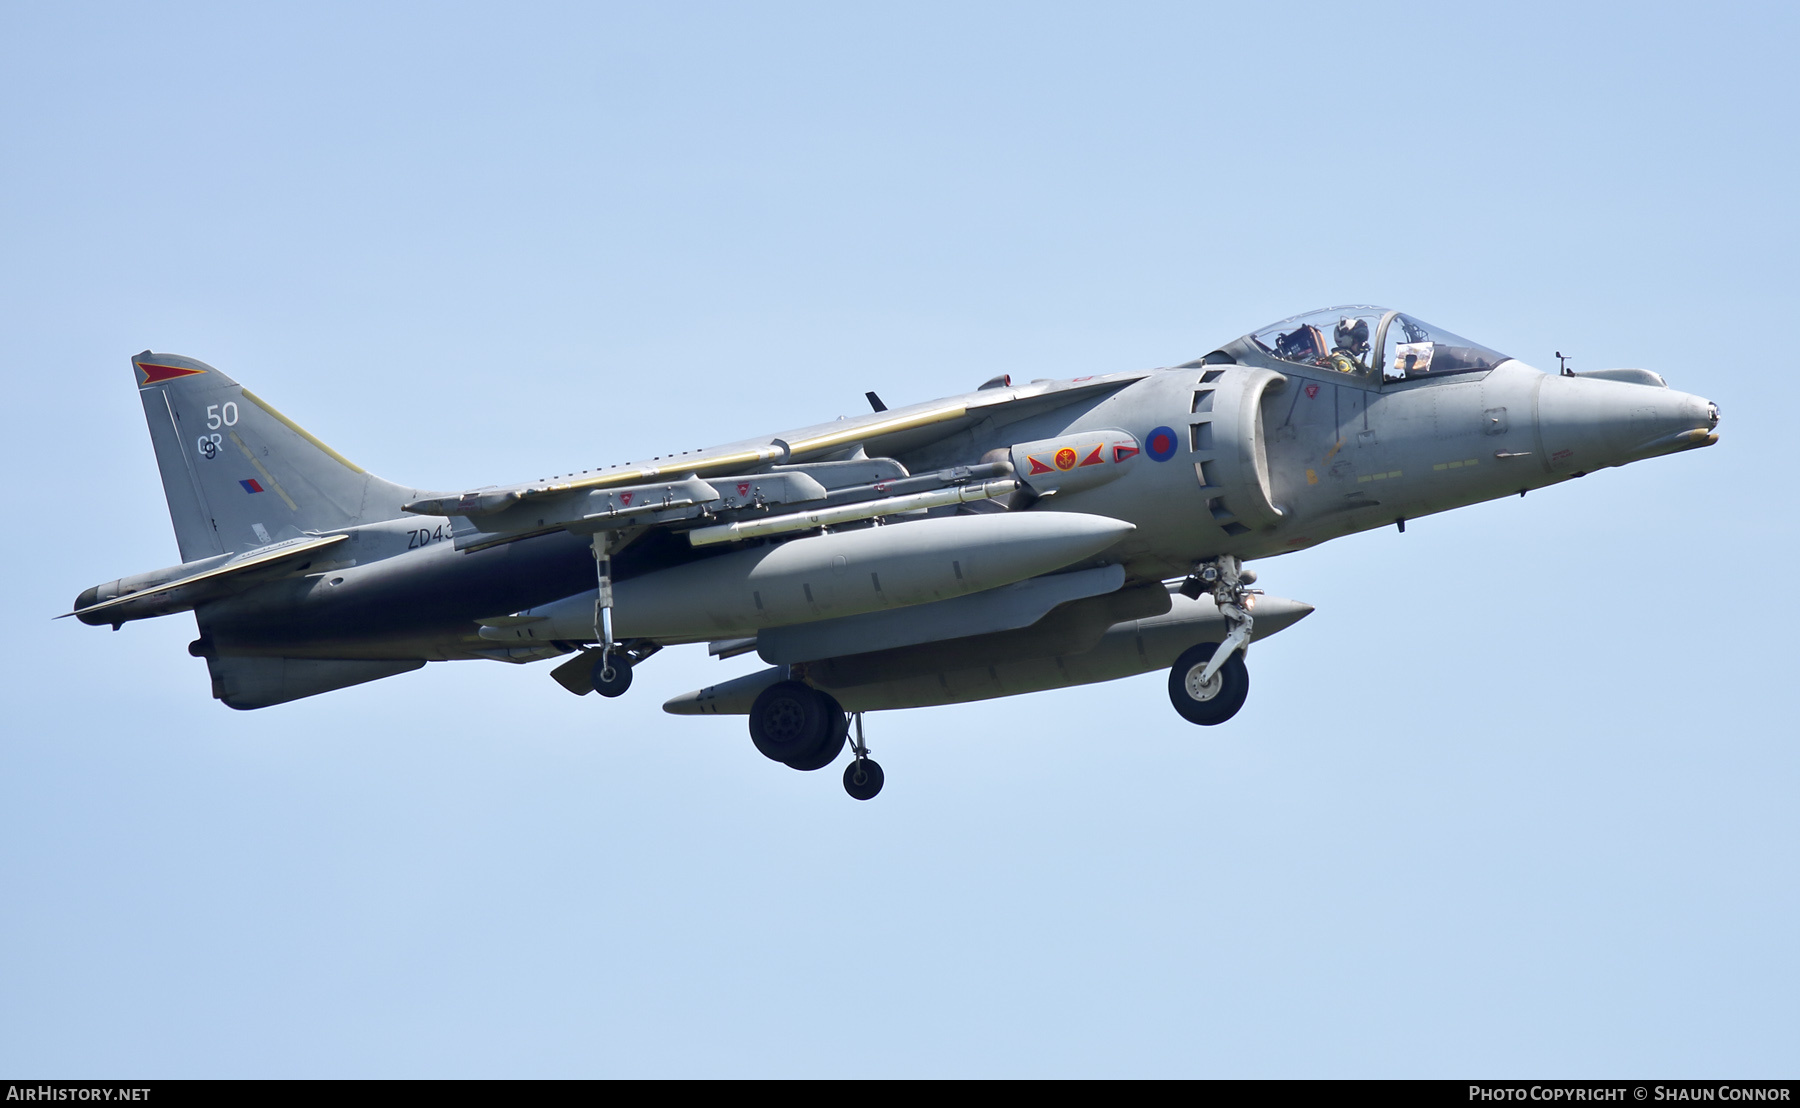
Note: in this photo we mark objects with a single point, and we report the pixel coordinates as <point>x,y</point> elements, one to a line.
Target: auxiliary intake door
<point>1226,438</point>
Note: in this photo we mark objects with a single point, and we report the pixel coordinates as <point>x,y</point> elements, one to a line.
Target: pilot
<point>1351,343</point>
<point>1352,336</point>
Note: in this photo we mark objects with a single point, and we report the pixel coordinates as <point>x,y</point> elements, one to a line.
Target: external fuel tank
<point>824,576</point>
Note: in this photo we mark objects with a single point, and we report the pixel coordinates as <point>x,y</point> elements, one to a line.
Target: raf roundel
<point>1160,444</point>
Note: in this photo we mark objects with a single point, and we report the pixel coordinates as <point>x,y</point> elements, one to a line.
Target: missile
<point>846,513</point>
<point>825,576</point>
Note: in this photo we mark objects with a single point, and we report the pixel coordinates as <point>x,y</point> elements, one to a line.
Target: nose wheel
<point>1208,698</point>
<point>1209,682</point>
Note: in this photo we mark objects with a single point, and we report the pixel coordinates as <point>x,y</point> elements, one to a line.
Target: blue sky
<point>1517,799</point>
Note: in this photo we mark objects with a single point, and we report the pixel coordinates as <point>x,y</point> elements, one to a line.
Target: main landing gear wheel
<point>796,724</point>
<point>1208,702</point>
<point>834,742</point>
<point>863,778</point>
<point>612,674</point>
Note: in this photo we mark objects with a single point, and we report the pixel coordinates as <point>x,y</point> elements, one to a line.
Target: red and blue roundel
<point>1160,444</point>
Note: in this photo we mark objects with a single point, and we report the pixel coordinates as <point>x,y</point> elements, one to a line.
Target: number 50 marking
<point>221,415</point>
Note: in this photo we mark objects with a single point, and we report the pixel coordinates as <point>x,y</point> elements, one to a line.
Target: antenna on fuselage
<point>1562,362</point>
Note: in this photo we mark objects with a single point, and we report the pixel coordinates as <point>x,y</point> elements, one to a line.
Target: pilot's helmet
<point>1352,335</point>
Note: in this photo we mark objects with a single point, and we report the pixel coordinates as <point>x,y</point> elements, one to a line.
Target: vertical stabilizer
<point>237,473</point>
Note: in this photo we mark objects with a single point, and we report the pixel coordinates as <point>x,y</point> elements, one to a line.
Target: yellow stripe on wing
<point>755,456</point>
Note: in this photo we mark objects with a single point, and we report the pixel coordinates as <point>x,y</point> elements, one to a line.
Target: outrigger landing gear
<point>588,670</point>
<point>612,668</point>
<point>611,674</point>
<point>610,679</point>
<point>862,777</point>
<point>1209,682</point>
<point>605,669</point>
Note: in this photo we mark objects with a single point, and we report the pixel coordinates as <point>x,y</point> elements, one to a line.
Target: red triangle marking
<point>1124,450</point>
<point>1095,458</point>
<point>1037,467</point>
<point>156,374</point>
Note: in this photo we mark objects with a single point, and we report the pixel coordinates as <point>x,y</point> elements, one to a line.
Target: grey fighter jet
<point>1015,538</point>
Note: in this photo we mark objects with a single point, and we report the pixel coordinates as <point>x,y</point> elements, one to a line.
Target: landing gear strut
<point>610,679</point>
<point>1209,682</point>
<point>863,776</point>
<point>610,674</point>
<point>805,729</point>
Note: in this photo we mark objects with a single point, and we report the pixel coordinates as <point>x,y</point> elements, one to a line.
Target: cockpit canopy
<point>1361,339</point>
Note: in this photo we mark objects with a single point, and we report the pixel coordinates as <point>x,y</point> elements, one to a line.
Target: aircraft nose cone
<point>1587,424</point>
<point>1689,422</point>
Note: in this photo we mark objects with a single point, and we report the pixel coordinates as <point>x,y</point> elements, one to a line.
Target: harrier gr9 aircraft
<point>1011,539</point>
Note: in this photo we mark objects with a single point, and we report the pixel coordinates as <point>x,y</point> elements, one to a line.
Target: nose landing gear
<point>1209,682</point>
<point>1203,699</point>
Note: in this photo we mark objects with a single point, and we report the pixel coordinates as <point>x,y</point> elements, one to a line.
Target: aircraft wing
<point>779,469</point>
<point>182,588</point>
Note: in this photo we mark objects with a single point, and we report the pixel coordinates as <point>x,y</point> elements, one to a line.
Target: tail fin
<point>238,474</point>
